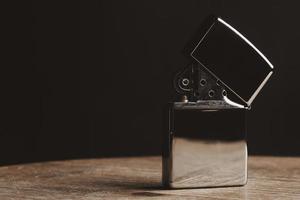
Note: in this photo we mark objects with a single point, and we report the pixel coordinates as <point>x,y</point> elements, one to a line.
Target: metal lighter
<point>204,141</point>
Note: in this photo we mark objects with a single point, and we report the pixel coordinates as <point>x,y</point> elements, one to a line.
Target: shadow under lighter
<point>204,140</point>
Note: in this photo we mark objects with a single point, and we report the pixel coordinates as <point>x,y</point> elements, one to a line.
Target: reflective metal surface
<point>206,146</point>
<point>205,134</point>
<point>234,60</point>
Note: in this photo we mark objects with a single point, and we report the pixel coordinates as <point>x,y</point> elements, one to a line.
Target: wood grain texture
<point>140,178</point>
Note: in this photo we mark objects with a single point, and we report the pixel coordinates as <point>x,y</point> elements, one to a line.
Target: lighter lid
<point>234,60</point>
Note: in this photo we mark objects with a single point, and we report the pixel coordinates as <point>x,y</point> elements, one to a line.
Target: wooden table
<point>139,178</point>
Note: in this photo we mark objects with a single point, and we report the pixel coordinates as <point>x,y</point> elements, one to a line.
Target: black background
<point>88,78</point>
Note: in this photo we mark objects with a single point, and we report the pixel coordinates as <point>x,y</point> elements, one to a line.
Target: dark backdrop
<point>87,79</point>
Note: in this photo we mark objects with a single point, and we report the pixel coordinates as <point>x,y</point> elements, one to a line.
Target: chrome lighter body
<point>205,145</point>
<point>205,132</point>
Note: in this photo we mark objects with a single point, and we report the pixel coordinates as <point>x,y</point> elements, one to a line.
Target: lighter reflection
<point>232,103</point>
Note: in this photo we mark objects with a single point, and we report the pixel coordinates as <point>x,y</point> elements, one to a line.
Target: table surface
<point>140,178</point>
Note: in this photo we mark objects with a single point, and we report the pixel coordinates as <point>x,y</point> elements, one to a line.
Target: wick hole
<point>202,82</point>
<point>211,93</point>
<point>185,81</point>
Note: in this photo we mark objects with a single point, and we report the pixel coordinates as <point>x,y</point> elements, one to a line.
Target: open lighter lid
<point>234,60</point>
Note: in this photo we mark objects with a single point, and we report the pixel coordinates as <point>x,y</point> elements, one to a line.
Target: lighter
<point>204,141</point>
